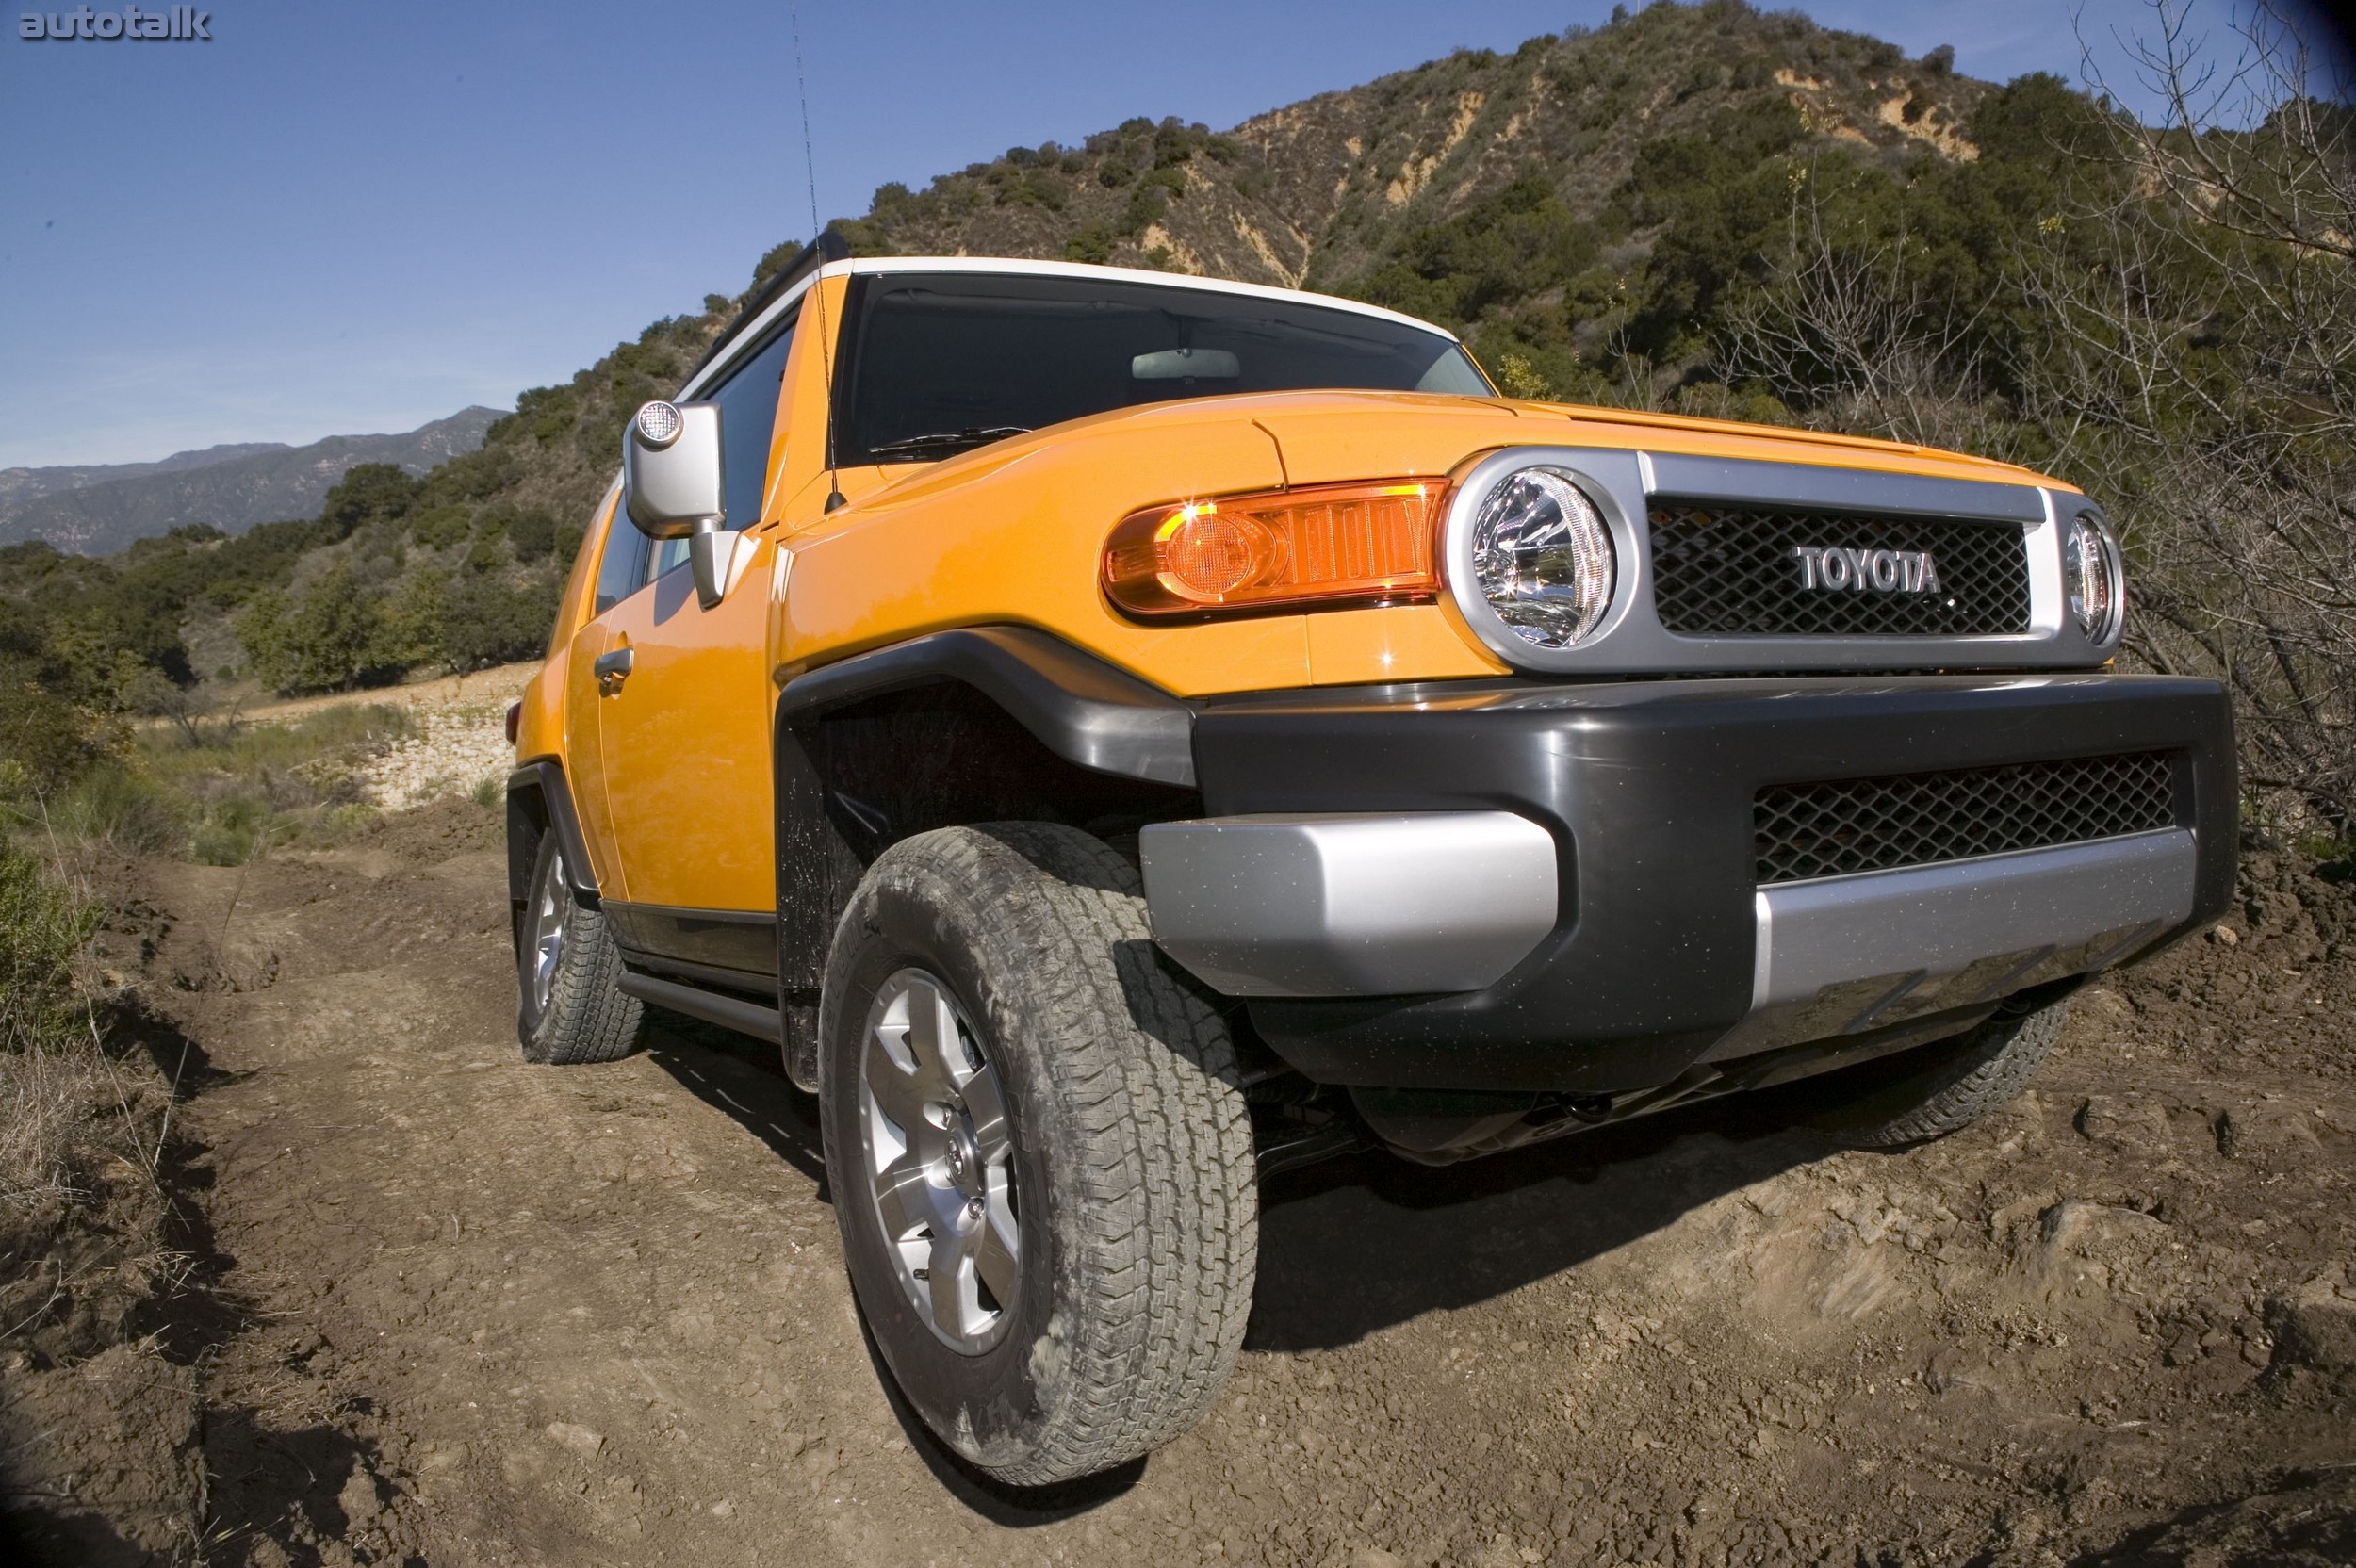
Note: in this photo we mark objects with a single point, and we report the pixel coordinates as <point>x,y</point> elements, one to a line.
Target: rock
<point>359,1499</point>
<point>580,1440</point>
<point>2086,1245</point>
<point>2127,1125</point>
<point>2315,1328</point>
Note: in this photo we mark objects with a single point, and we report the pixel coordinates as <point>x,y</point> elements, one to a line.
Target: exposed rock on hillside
<point>1311,193</point>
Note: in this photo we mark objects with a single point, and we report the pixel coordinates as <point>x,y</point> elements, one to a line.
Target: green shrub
<point>368,493</point>
<point>326,641</point>
<point>234,830</point>
<point>486,622</point>
<point>42,928</point>
<point>532,533</point>
<point>45,740</point>
<point>121,805</point>
<point>1092,244</point>
<point>439,527</point>
<point>1146,205</point>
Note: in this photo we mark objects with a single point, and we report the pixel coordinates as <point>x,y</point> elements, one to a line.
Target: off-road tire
<point>1937,1089</point>
<point>1132,1155</point>
<point>586,1019</point>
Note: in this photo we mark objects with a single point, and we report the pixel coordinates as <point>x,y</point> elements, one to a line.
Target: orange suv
<point>1123,734</point>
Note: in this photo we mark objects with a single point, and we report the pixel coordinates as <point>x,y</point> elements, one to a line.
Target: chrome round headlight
<point>2093,578</point>
<point>1543,558</point>
<point>659,424</point>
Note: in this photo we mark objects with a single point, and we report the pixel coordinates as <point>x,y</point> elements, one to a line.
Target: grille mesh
<point>1732,572</point>
<point>1858,825</point>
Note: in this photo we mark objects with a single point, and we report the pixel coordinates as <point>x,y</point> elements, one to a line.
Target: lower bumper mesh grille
<point>1858,825</point>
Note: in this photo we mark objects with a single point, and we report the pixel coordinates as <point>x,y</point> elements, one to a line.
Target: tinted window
<point>941,363</point>
<point>622,567</point>
<point>748,421</point>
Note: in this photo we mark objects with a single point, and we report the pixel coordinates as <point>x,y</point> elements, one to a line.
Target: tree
<point>487,622</point>
<point>2200,349</point>
<point>368,493</point>
<point>326,640</point>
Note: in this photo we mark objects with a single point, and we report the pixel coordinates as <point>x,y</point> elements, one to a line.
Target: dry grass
<point>225,791</point>
<point>83,1124</point>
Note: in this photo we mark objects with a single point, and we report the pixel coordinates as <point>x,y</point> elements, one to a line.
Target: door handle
<point>613,666</point>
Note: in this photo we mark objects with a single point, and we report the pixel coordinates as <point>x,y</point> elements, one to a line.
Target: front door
<point>684,732</point>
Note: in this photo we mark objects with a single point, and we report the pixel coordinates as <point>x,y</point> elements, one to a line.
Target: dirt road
<point>475,1312</point>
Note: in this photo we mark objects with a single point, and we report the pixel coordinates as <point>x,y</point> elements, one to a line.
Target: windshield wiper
<point>946,443</point>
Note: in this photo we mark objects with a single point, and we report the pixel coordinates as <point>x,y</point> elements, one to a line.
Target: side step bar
<point>728,1012</point>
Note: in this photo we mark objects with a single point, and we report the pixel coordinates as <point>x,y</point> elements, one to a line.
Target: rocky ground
<point>446,1308</point>
<point>451,748</point>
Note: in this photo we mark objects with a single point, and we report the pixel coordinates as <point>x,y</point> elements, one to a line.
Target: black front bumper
<point>1648,789</point>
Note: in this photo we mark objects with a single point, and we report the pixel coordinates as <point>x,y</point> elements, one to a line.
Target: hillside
<point>1320,194</point>
<point>101,509</point>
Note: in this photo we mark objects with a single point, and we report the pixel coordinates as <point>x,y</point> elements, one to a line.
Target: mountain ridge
<point>24,483</point>
<point>247,483</point>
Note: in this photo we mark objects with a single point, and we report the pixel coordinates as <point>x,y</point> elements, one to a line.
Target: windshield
<point>940,363</point>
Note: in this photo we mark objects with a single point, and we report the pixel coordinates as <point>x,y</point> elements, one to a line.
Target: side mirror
<point>674,486</point>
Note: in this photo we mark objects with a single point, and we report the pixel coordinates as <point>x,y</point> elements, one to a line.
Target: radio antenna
<point>810,169</point>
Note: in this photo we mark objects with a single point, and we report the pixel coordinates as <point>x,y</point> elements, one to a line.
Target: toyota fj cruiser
<point>1122,734</point>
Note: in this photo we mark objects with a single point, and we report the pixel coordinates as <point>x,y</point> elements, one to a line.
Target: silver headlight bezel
<point>2106,631</point>
<point>1472,493</point>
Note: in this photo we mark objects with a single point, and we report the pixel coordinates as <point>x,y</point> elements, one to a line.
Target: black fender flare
<point>1085,710</point>
<point>546,779</point>
<point>1082,710</point>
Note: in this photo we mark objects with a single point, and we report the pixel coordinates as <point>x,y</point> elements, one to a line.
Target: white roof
<point>1002,266</point>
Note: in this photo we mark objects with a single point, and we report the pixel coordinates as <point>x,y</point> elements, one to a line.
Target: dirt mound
<point>493,1312</point>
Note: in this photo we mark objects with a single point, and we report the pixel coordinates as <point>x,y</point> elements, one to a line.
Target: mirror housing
<point>674,487</point>
<point>673,483</point>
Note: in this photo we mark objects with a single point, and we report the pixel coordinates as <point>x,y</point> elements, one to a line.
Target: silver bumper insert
<point>1849,954</point>
<point>1349,903</point>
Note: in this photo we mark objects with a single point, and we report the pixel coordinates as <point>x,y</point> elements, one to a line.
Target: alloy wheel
<point>551,913</point>
<point>938,1157</point>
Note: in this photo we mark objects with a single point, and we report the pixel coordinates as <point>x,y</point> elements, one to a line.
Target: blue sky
<point>344,218</point>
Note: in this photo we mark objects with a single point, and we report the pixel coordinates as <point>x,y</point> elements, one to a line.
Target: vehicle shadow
<point>742,1078</point>
<point>1364,1243</point>
<point>1358,1244</point>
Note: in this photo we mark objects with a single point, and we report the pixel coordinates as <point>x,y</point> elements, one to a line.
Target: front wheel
<point>1937,1089</point>
<point>1041,1162</point>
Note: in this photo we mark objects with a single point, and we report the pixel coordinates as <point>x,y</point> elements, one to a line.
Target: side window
<point>623,565</point>
<point>748,415</point>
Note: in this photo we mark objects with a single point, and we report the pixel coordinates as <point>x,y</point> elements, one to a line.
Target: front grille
<point>1918,819</point>
<point>1735,572</point>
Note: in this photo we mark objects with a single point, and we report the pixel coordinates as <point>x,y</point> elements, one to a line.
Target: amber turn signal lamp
<point>1372,543</point>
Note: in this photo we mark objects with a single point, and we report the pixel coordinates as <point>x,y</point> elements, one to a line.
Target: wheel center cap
<point>964,1159</point>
